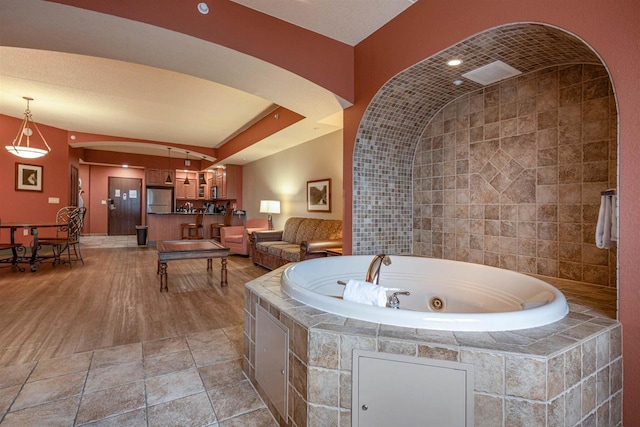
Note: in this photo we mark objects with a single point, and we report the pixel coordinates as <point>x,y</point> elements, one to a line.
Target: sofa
<point>300,239</point>
<point>236,237</point>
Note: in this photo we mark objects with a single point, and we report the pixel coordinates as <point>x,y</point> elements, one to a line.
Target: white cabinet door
<point>401,391</point>
<point>272,360</point>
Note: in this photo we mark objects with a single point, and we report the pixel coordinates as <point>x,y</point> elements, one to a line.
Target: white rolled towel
<point>365,293</point>
<point>607,227</point>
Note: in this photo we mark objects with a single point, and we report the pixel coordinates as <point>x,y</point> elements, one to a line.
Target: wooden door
<point>125,205</point>
<point>74,188</point>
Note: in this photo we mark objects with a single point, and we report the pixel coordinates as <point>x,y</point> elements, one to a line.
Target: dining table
<point>33,227</point>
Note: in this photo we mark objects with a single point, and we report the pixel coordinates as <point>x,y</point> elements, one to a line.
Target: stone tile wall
<point>510,175</point>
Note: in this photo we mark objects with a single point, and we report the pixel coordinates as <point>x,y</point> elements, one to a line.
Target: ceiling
<point>164,100</point>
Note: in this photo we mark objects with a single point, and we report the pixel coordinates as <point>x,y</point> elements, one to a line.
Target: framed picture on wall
<point>319,195</point>
<point>28,177</point>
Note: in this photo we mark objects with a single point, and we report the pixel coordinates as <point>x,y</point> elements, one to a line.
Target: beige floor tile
<point>258,418</point>
<point>54,414</point>
<point>200,339</point>
<point>112,401</point>
<point>164,346</point>
<point>194,410</point>
<point>114,375</point>
<point>221,374</point>
<point>215,353</point>
<point>165,364</point>
<point>173,386</point>
<point>234,333</point>
<point>15,374</point>
<point>136,418</point>
<point>49,368</point>
<point>235,399</point>
<point>49,390</point>
<point>7,396</point>
<point>118,354</point>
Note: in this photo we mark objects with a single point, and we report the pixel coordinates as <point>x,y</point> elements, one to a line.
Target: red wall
<point>29,206</point>
<point>610,28</point>
<point>98,185</point>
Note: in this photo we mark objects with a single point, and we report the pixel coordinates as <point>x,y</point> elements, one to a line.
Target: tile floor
<point>192,380</point>
<point>92,241</point>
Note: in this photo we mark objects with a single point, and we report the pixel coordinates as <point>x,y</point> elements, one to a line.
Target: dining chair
<point>15,248</point>
<point>195,231</point>
<point>67,238</point>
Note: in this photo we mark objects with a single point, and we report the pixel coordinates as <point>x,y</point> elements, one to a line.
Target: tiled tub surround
<point>511,175</point>
<point>562,374</point>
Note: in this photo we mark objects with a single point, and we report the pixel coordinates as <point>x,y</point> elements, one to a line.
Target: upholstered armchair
<point>236,237</point>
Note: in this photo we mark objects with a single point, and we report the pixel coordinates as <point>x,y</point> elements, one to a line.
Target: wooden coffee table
<point>170,250</point>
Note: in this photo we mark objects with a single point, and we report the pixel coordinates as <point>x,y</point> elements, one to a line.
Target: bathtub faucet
<point>373,274</point>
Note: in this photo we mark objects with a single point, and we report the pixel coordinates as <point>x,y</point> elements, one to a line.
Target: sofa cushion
<point>306,230</point>
<point>287,252</point>
<point>264,246</point>
<point>329,229</point>
<point>290,253</point>
<point>291,229</point>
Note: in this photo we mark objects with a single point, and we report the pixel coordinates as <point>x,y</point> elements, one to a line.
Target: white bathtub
<point>475,297</point>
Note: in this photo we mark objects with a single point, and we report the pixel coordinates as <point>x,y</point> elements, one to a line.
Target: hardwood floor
<point>114,299</point>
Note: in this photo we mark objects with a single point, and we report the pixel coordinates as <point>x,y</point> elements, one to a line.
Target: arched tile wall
<point>399,113</point>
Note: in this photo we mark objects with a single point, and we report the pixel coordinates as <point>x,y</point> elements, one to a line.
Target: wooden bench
<point>170,250</point>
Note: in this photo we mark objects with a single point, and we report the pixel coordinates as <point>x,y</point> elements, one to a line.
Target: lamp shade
<point>270,206</point>
<point>27,151</point>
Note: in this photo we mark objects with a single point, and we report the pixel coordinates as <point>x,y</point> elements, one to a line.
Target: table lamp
<point>270,207</point>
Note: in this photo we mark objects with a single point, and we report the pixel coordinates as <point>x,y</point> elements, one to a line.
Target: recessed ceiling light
<point>457,82</point>
<point>203,8</point>
<point>454,62</point>
<point>125,166</point>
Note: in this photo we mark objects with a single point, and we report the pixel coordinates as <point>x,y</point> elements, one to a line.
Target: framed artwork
<point>319,195</point>
<point>28,177</point>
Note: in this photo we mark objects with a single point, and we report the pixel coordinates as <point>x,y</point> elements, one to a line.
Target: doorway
<point>125,206</point>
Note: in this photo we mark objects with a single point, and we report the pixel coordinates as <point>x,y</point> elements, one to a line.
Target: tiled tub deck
<point>562,374</point>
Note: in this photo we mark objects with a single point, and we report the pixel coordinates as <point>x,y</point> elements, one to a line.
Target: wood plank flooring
<point>114,299</point>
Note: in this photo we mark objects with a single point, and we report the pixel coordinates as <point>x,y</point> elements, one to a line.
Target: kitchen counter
<point>166,226</point>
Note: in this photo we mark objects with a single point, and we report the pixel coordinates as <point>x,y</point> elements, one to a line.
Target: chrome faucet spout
<point>373,273</point>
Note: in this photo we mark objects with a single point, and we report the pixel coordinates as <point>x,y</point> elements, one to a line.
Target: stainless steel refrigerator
<point>159,200</point>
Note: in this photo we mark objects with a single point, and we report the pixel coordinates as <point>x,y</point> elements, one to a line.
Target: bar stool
<point>226,222</point>
<point>195,231</point>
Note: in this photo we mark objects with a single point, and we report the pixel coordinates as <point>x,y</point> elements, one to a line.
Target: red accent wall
<point>99,189</point>
<point>610,28</point>
<point>29,206</point>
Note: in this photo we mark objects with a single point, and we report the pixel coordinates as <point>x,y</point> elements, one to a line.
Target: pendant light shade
<point>26,151</point>
<point>169,180</point>
<point>186,179</point>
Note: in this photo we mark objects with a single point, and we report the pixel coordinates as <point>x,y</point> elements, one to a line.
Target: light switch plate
<point>103,202</point>
<point>54,200</point>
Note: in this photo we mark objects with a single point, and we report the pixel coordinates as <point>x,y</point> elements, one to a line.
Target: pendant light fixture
<point>186,180</point>
<point>202,182</point>
<point>27,151</point>
<point>169,180</point>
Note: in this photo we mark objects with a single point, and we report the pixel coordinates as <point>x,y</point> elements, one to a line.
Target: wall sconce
<point>270,207</point>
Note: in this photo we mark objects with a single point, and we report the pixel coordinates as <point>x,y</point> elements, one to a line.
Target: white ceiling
<point>348,21</point>
<point>164,87</point>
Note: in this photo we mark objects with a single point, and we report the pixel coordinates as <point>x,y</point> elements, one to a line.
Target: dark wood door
<point>125,205</point>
